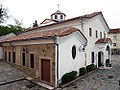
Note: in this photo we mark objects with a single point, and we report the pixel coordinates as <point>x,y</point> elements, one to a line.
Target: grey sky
<point>31,10</point>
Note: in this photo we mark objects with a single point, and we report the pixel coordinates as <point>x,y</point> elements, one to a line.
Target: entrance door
<point>99,59</point>
<point>45,70</point>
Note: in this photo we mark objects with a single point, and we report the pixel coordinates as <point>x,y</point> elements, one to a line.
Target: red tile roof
<point>114,30</point>
<point>49,33</point>
<point>83,16</point>
<point>103,40</point>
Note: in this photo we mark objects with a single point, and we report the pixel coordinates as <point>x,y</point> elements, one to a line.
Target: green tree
<point>10,29</point>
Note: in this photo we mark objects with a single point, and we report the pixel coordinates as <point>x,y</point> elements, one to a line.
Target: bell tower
<point>58,15</point>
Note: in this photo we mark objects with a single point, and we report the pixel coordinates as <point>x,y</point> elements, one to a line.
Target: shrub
<point>82,71</point>
<point>69,76</point>
<point>90,67</point>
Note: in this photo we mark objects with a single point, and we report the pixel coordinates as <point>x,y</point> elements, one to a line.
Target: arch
<point>56,17</point>
<point>100,58</point>
<point>61,16</point>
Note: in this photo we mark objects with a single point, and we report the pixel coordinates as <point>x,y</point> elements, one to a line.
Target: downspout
<point>81,23</point>
<point>57,64</point>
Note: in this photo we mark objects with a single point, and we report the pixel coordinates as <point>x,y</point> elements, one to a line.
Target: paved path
<point>100,79</point>
<point>9,73</point>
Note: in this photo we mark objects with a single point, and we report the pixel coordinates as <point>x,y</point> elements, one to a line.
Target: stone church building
<point>58,46</point>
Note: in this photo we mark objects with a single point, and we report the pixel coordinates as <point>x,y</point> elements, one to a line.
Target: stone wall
<point>45,51</point>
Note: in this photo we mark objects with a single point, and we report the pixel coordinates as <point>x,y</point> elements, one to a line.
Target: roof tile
<point>49,33</point>
<point>103,40</point>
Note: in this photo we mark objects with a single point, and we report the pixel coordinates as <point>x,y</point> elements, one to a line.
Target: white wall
<point>66,62</point>
<point>96,24</point>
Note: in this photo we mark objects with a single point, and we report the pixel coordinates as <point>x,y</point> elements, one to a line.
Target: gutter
<point>57,64</point>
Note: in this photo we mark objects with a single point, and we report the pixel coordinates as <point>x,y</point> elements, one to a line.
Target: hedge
<point>82,71</point>
<point>69,76</point>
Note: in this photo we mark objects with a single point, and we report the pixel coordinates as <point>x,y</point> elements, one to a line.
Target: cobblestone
<point>9,73</point>
<point>101,79</point>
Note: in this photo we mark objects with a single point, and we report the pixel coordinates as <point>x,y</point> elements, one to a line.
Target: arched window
<point>55,16</point>
<point>61,17</point>
<point>73,52</point>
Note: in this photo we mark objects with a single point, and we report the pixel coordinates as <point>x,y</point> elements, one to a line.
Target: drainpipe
<point>57,64</point>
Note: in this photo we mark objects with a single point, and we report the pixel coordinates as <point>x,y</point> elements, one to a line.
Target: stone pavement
<point>101,79</point>
<point>9,73</point>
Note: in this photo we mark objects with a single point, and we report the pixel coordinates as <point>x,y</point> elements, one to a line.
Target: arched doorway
<point>100,58</point>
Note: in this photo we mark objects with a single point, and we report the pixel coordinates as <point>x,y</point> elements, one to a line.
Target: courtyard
<point>100,79</point>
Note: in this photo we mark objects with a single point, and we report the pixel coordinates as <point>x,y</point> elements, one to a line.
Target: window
<point>114,44</point>
<point>61,17</point>
<point>9,56</point>
<point>14,54</point>
<point>92,57</point>
<point>104,35</point>
<point>23,58</point>
<point>55,16</point>
<point>73,52</point>
<point>96,34</point>
<point>90,31</point>
<point>5,56</point>
<point>100,34</point>
<point>31,60</point>
<point>114,37</point>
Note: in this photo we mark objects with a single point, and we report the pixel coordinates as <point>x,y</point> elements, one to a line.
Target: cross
<point>58,6</point>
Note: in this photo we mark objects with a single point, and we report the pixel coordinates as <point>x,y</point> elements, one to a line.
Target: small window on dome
<point>73,52</point>
<point>55,16</point>
<point>61,17</point>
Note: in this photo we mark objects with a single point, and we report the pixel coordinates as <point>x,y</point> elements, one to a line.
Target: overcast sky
<point>31,10</point>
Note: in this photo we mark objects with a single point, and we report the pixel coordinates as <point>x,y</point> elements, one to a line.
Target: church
<point>58,46</point>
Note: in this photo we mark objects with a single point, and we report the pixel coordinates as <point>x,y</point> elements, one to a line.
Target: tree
<point>3,14</point>
<point>10,29</point>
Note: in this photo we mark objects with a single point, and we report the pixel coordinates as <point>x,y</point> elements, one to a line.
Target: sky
<point>28,11</point>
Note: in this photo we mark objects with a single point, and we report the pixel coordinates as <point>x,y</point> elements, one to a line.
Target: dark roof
<point>49,33</point>
<point>84,16</point>
<point>117,30</point>
<point>103,40</point>
<point>58,12</point>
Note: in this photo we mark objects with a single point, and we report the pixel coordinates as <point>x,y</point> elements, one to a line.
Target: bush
<point>69,76</point>
<point>90,67</point>
<point>82,71</point>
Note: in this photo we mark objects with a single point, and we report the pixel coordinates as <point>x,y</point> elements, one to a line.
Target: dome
<point>58,16</point>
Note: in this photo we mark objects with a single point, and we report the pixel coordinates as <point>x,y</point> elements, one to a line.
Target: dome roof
<point>58,12</point>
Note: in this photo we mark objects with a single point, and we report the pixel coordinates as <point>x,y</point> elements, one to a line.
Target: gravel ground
<point>101,79</point>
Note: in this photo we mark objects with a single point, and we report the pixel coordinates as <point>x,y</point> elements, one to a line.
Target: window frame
<point>9,56</point>
<point>90,31</point>
<point>14,57</point>
<point>61,16</point>
<point>114,44</point>
<point>114,37</point>
<point>56,17</point>
<point>30,60</point>
<point>96,33</point>
<point>74,52</point>
<point>93,57</point>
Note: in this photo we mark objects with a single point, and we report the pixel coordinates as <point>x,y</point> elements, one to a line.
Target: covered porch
<point>104,53</point>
